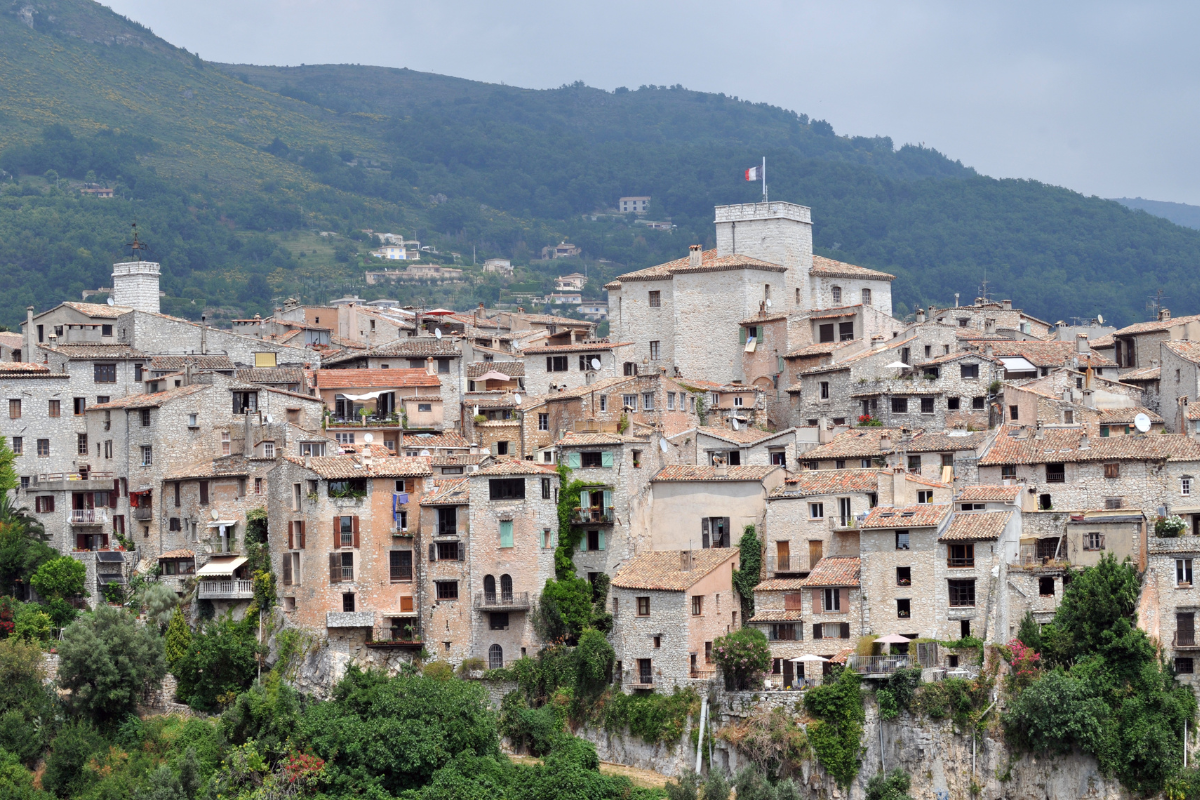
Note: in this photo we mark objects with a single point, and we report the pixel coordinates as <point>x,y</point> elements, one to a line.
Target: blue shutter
<point>574,460</point>
<point>606,458</point>
<point>607,500</point>
<point>584,498</point>
<point>506,533</point>
<point>600,540</point>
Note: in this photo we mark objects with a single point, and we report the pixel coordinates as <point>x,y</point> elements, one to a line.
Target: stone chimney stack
<point>203,334</point>
<point>1164,314</point>
<point>1089,399</point>
<point>1081,343</point>
<point>29,336</point>
<point>920,316</point>
<point>695,256</point>
<point>987,350</point>
<point>1006,304</point>
<point>430,366</point>
<point>1083,442</point>
<point>989,325</point>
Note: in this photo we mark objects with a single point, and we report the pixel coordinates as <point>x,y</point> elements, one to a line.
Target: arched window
<point>836,294</point>
<point>489,588</point>
<point>506,588</point>
<point>866,297</point>
<point>495,657</point>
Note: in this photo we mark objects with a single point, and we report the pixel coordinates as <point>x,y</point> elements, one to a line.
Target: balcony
<point>702,673</point>
<point>89,516</point>
<point>143,513</point>
<point>879,665</point>
<point>837,523</point>
<point>594,516</point>
<point>1185,640</point>
<point>637,679</point>
<point>226,589</point>
<point>792,563</point>
<point>960,563</point>
<point>408,635</point>
<point>502,601</point>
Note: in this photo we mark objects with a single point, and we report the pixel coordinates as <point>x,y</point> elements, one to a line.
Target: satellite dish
<point>735,422</point>
<point>1142,423</point>
<point>768,302</point>
<point>517,397</point>
<point>215,515</point>
<point>437,332</point>
<point>1100,318</point>
<point>425,453</point>
<point>595,363</point>
<point>477,411</point>
<point>662,445</point>
<point>110,302</point>
<point>268,419</point>
<point>368,437</point>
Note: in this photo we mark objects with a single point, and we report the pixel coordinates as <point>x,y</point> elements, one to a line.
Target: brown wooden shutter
<point>432,551</point>
<point>817,601</point>
<point>845,600</point>
<point>335,568</point>
<point>301,526</point>
<point>406,603</point>
<point>291,540</point>
<point>845,630</point>
<point>462,551</point>
<point>354,527</point>
<point>816,630</point>
<point>112,499</point>
<point>337,532</point>
<point>287,569</point>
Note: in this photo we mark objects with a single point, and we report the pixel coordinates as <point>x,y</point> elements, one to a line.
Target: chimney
<point>1066,395</point>
<point>989,325</point>
<point>987,349</point>
<point>1164,314</point>
<point>430,366</point>
<point>29,339</point>
<point>695,254</point>
<point>1038,432</point>
<point>685,560</point>
<point>920,316</point>
<point>1083,442</point>
<point>932,312</point>
<point>203,334</point>
<point>1088,399</point>
<point>187,373</point>
<point>721,469</point>
<point>1081,343</point>
<point>885,441</point>
<point>876,341</point>
<point>1007,304</point>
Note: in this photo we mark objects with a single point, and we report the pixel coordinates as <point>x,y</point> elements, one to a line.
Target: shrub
<point>220,661</point>
<point>534,730</point>
<point>160,603</point>
<point>179,637</point>
<point>1055,714</point>
<point>891,786</point>
<point>1169,527</point>
<point>60,577</point>
<point>742,656</point>
<point>750,573</point>
<point>838,707</point>
<point>32,623</point>
<point>26,706</point>
<point>438,670</point>
<point>470,665</point>
<point>770,739</point>
<point>65,773</point>
<point>594,659</point>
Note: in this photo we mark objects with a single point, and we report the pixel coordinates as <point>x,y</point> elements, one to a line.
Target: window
<point>656,299</point>
<point>777,632</point>
<point>18,445</point>
<point>697,605</point>
<point>793,601</point>
<point>55,408</point>
<point>543,422</point>
<point>832,600</point>
<point>548,542</point>
<point>962,592</point>
<point>225,443</point>
<point>670,401</point>
<point>899,405</point>
<point>145,415</point>
<point>245,402</point>
<point>824,390</point>
<point>630,368</point>
<point>968,371</point>
<point>173,524</point>
<point>424,407</point>
<point>629,401</point>
<point>926,405</point>
<point>960,555</point>
<point>1055,473</point>
<point>904,576</point>
<point>506,533</point>
<point>1046,586</point>
<point>1008,471</point>
<point>925,496</point>
<point>507,488</point>
<point>545,488</point>
<point>14,409</point>
<point>654,350</point>
<point>657,642</point>
<point>268,449</point>
<point>866,297</point>
<point>903,609</point>
<point>1112,470</point>
<point>448,551</point>
<point>147,455</point>
<point>104,373</point>
<point>501,448</point>
<point>447,590</point>
<point>643,606</point>
<point>1013,413</point>
<point>778,457</point>
<point>346,526</point>
<point>845,331</point>
<point>835,294</point>
<point>81,444</point>
<point>43,504</point>
<point>556,363</point>
<point>1185,486</point>
<point>914,463</point>
<point>604,402</point>
<point>952,403</point>
<point>648,401</point>
<point>43,448</point>
<point>978,403</point>
<point>592,459</point>
<point>816,510</point>
<point>1183,666</point>
<point>312,448</point>
<point>80,405</point>
<point>825,332</point>
<point>447,521</point>
<point>637,458</point>
<point>902,541</point>
<point>193,420</point>
<point>1183,571</point>
<point>498,621</point>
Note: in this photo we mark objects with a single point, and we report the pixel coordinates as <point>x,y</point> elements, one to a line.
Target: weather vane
<point>135,246</point>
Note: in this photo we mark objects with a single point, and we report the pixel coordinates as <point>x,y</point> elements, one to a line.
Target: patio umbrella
<point>897,365</point>
<point>806,658</point>
<point>493,375</point>
<point>893,638</point>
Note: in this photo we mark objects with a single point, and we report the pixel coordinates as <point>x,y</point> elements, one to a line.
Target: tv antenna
<point>983,287</point>
<point>1154,304</point>
<point>135,246</point>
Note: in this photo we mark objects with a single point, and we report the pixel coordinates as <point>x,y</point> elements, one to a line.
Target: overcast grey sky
<point>1099,97</point>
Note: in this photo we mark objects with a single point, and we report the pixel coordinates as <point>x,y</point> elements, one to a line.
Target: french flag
<point>754,174</point>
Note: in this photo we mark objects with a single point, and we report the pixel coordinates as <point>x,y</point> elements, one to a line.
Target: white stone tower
<point>135,285</point>
<point>778,232</point>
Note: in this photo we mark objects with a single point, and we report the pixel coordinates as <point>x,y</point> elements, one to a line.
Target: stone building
<point>383,402</point>
<point>837,285</point>
<point>990,316</point>
<point>1139,345</point>
<point>445,579</point>
<point>1170,601</point>
<point>553,367</point>
<point>817,514</point>
<point>668,608</point>
<point>899,550</point>
<point>749,446</point>
<point>703,507</point>
<point>357,581</point>
<point>921,452</point>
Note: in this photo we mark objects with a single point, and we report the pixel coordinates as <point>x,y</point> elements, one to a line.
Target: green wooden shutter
<point>600,540</point>
<point>584,499</point>
<point>573,460</point>
<point>742,332</point>
<point>606,458</point>
<point>607,500</point>
<point>506,533</point>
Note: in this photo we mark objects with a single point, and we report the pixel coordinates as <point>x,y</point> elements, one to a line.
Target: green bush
<point>220,661</point>
<point>742,656</point>
<point>438,670</point>
<point>32,623</point>
<point>891,786</point>
<point>65,773</point>
<point>532,730</point>
<point>160,602</point>
<point>60,577</point>
<point>838,708</point>
<point>27,709</point>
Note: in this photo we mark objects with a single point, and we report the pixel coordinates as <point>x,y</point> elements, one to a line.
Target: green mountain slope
<point>1180,213</point>
<point>231,169</point>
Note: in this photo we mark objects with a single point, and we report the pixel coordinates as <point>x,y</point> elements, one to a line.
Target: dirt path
<point>642,778</point>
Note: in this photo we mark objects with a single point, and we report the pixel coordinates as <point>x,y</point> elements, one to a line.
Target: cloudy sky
<point>1096,96</point>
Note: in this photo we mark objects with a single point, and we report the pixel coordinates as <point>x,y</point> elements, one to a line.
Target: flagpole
<point>764,179</point>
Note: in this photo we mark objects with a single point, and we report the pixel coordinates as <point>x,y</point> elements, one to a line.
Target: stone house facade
<point>703,507</point>
<point>549,368</point>
<point>445,579</point>
<point>899,552</point>
<point>1139,345</point>
<point>835,284</point>
<point>924,453</point>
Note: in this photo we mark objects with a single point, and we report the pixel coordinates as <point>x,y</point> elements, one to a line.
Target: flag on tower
<point>754,174</point>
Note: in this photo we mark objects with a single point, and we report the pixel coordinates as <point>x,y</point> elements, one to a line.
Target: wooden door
<point>815,551</point>
<point>783,556</point>
<point>787,673</point>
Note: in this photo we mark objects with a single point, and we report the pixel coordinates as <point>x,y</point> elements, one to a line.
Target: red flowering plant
<point>742,656</point>
<point>867,421</point>
<point>1026,664</point>
<point>301,770</point>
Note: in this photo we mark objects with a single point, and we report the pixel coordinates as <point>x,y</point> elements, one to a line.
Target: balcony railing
<point>792,563</point>
<point>226,589</point>
<point>1184,640</point>
<point>965,561</point>
<point>88,516</point>
<point>587,516</point>
<point>501,601</point>
<point>145,512</point>
<point>703,673</point>
<point>638,678</point>
<point>47,477</point>
<point>878,665</point>
<point>407,635</point>
<point>839,523</point>
<point>1029,557</point>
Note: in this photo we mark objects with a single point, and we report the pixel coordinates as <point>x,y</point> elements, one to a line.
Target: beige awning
<point>220,567</point>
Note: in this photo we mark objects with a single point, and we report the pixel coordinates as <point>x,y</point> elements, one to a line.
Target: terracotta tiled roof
<point>351,466</point>
<point>374,378</point>
<point>820,349</point>
<point>89,350</point>
<point>552,319</point>
<point>660,570</point>
<point>829,481</point>
<point>513,369</point>
<point>12,339</point>
<point>1040,354</point>
<point>514,466</point>
<point>176,363</point>
<point>709,262</point>
<point>1187,350</point>
<point>271,375</point>
<point>988,494</point>
<point>416,347</point>
<point>448,492</point>
<point>780,585</point>
<point>976,526</point>
<point>865,442</point>
<point>1060,445</point>
<point>177,554</point>
<point>150,400</point>
<point>914,478</point>
<point>764,318</point>
<point>741,436</point>
<point>1155,325</point>
<point>926,515</point>
<point>26,367</point>
<point>571,439</point>
<point>834,571</point>
<point>689,472</point>
<point>1119,416</point>
<point>1145,374</point>
<point>776,615</point>
<point>583,347</point>
<point>491,399</point>
<point>1103,343</point>
<point>1193,411</point>
<point>458,459</point>
<point>445,440</point>
<point>228,466</point>
<point>422,398</point>
<point>600,385</point>
<point>99,310</point>
<point>836,313</point>
<point>828,268</point>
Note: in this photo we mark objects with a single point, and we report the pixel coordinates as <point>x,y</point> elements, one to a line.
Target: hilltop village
<point>936,479</point>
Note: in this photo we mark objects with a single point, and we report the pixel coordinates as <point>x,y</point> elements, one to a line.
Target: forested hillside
<point>231,170</point>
